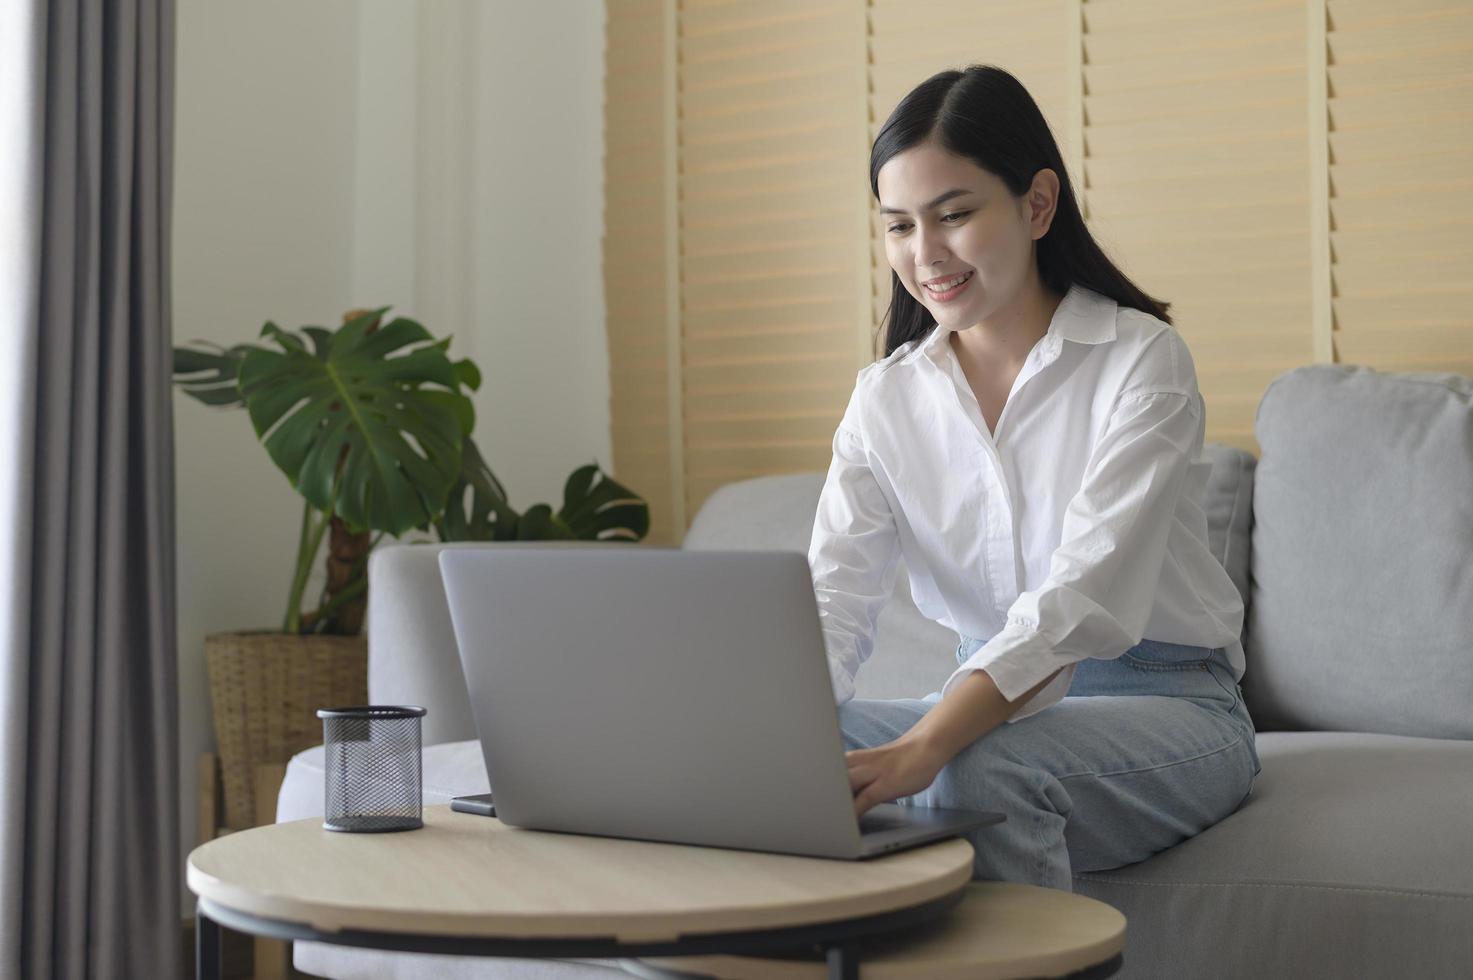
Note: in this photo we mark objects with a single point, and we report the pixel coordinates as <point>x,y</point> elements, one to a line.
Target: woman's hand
<point>899,768</point>
<point>909,764</point>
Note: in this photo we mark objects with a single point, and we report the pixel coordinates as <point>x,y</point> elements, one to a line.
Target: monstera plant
<point>371,423</point>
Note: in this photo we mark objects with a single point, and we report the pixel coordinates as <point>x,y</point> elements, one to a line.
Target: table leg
<point>843,962</point>
<point>208,963</point>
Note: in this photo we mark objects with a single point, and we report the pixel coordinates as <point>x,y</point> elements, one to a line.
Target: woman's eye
<point>900,227</point>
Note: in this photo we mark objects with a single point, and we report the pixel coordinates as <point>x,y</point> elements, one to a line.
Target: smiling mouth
<point>947,288</point>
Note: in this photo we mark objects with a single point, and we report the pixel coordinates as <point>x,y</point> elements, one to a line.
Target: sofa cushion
<point>765,513</point>
<point>1362,609</point>
<point>1347,861</point>
<point>350,963</point>
<point>1229,506</point>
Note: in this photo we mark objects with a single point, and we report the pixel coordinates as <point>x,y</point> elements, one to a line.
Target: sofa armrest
<point>412,654</point>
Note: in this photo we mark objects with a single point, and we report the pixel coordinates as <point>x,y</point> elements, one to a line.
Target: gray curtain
<point>90,884</point>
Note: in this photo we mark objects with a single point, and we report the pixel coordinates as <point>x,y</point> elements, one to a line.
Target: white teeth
<point>949,284</point>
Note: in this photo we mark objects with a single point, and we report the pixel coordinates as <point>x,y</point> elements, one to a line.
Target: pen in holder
<point>371,767</point>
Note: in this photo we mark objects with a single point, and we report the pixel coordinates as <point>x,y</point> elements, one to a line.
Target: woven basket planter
<point>266,689</point>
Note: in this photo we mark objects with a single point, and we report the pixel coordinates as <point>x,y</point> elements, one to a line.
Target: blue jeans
<point>1146,750</point>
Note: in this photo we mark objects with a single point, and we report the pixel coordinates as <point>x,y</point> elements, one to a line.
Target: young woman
<point>1031,444</point>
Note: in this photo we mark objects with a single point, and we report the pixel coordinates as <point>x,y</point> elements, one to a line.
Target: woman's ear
<point>1043,200</point>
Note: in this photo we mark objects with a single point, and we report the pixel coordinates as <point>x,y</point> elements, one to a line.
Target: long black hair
<point>987,116</point>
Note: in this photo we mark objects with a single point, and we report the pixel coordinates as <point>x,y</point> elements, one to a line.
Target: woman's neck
<point>1004,340</point>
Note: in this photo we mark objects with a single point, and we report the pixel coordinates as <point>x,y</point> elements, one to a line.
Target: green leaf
<point>465,412</point>
<point>469,374</point>
<point>321,341</point>
<point>366,425</point>
<point>477,509</point>
<point>606,509</point>
<point>209,373</point>
<point>578,483</point>
<point>538,524</point>
<point>595,508</point>
<point>290,341</point>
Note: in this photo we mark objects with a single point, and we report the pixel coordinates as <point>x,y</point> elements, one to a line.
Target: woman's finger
<point>860,777</point>
<point>871,796</point>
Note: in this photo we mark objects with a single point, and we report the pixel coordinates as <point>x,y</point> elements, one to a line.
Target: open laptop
<point>664,694</point>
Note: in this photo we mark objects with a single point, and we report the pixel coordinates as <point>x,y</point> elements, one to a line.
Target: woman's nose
<point>930,248</point>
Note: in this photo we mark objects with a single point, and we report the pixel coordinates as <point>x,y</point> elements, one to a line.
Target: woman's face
<point>957,238</point>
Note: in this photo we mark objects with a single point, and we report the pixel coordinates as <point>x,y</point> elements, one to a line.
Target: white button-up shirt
<point>1073,531</point>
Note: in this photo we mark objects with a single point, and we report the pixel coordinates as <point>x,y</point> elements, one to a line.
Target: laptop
<point>664,694</point>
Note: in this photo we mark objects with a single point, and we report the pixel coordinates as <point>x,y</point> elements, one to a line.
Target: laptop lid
<point>655,693</point>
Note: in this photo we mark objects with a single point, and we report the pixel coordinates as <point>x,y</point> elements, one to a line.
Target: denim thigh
<point>1146,750</point>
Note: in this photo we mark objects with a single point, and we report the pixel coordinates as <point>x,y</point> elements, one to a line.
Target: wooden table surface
<point>1000,931</point>
<point>472,876</point>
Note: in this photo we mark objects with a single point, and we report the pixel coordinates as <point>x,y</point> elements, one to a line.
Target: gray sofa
<point>1351,540</point>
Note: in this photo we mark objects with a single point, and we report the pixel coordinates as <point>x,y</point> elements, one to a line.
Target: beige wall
<point>444,158</point>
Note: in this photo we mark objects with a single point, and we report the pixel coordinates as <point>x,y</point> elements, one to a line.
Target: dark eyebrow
<point>956,192</point>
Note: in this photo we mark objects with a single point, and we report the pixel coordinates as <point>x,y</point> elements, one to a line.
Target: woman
<point>1031,444</point>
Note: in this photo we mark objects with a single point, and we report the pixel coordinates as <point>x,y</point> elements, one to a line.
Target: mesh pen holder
<point>371,763</point>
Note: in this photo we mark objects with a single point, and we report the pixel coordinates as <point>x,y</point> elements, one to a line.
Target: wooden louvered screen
<point>1289,174</point>
<point>638,254</point>
<point>1196,131</point>
<point>771,209</point>
<point>911,40</point>
<point>1401,183</point>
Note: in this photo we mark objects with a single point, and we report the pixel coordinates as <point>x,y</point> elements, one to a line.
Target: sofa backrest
<point>1228,503</point>
<point>1362,609</point>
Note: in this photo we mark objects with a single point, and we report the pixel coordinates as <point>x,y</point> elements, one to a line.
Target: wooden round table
<point>469,885</point>
<point>1000,931</point>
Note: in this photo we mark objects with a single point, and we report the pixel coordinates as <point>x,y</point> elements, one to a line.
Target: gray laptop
<point>664,694</point>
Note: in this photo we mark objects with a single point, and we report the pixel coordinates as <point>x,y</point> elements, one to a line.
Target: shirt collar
<point>1083,316</point>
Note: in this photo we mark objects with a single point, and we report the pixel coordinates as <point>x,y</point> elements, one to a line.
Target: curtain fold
<point>91,779</point>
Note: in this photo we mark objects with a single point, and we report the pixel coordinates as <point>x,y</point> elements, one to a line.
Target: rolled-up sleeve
<point>853,556</point>
<point>1100,589</point>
